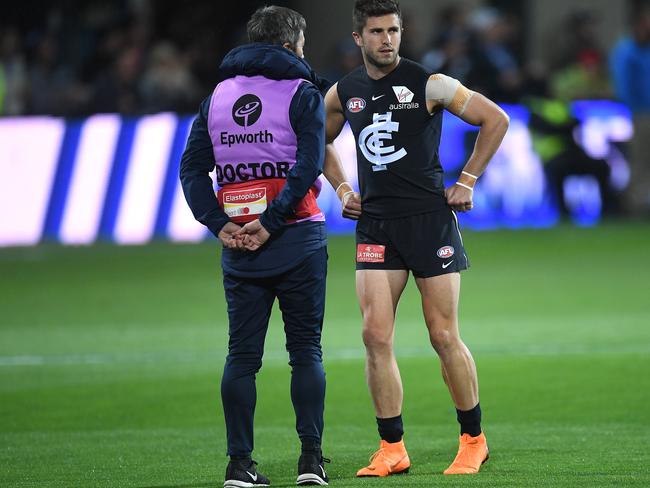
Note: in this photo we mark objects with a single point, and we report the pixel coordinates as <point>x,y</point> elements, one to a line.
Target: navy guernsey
<point>397,141</point>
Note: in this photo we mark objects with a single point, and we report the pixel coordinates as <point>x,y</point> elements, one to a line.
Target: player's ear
<point>289,46</point>
<point>357,39</point>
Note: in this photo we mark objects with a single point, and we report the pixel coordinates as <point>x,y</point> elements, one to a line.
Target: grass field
<point>110,361</point>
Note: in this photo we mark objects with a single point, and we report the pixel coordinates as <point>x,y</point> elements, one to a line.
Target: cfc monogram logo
<point>373,138</point>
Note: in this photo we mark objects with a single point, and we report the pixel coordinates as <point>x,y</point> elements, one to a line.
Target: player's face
<point>380,40</point>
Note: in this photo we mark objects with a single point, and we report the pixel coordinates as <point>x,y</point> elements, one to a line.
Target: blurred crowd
<point>482,47</point>
<point>142,56</point>
<point>129,56</point>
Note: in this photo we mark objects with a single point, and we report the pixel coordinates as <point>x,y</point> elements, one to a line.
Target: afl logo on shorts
<point>246,110</point>
<point>356,104</point>
<point>445,252</point>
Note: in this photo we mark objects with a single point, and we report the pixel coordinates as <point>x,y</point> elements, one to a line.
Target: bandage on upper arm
<point>448,92</point>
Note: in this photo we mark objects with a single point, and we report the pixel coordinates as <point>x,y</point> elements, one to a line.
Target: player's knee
<point>376,339</point>
<point>442,339</point>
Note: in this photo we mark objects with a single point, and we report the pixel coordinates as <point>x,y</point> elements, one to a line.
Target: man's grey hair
<point>275,25</point>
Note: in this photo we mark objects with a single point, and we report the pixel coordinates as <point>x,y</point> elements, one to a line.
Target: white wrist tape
<point>339,187</point>
<point>469,174</point>
<point>465,186</point>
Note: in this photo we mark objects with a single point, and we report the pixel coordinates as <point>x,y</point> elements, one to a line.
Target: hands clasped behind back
<point>250,237</point>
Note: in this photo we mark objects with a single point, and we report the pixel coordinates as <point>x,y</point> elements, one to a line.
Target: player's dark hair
<point>275,25</point>
<point>372,8</point>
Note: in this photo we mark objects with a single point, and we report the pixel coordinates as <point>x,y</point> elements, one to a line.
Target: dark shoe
<point>243,474</point>
<point>310,469</point>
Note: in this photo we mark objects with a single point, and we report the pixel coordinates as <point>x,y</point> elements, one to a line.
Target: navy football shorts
<point>428,244</point>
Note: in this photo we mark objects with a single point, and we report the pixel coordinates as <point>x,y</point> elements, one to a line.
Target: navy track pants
<point>301,296</point>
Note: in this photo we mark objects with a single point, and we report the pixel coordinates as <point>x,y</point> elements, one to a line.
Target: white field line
<point>335,354</point>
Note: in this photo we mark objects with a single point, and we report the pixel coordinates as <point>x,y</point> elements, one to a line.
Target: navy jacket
<point>288,245</point>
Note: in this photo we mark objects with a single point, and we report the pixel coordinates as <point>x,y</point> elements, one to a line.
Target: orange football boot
<point>472,453</point>
<point>391,458</point>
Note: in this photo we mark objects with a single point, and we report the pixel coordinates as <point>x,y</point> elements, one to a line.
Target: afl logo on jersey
<point>356,104</point>
<point>246,110</point>
<point>445,252</point>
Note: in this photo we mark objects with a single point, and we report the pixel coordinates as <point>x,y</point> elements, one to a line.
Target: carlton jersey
<point>397,141</point>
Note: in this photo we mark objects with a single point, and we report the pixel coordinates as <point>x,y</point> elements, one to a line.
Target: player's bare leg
<point>378,292</point>
<point>440,296</point>
<point>440,306</point>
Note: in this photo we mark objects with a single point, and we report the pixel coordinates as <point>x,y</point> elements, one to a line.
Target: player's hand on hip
<point>459,198</point>
<point>351,205</point>
<point>253,235</point>
<point>227,235</point>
